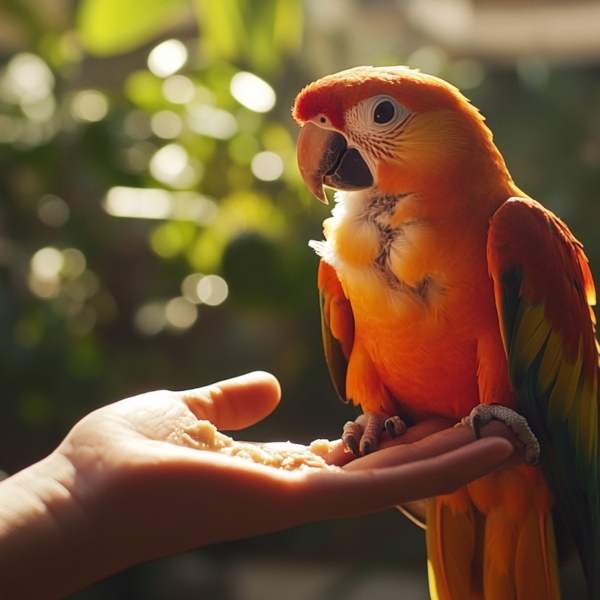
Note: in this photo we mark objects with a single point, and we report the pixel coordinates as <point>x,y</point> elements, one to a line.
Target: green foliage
<point>260,31</point>
<point>109,27</point>
<point>223,26</point>
<point>95,271</point>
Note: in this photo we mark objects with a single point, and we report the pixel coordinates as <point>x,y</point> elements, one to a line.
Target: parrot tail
<point>482,546</point>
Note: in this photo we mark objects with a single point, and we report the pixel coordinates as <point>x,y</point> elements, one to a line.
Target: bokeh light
<point>153,203</point>
<point>150,319</point>
<point>212,290</point>
<point>53,211</point>
<point>167,58</point>
<point>27,79</point>
<point>171,165</point>
<point>44,271</point>
<point>166,124</point>
<point>137,125</point>
<point>189,287</point>
<point>138,203</point>
<point>40,110</point>
<point>74,263</point>
<point>47,263</point>
<point>429,59</point>
<point>467,73</point>
<point>204,289</point>
<point>181,313</point>
<point>252,92</point>
<point>89,105</point>
<point>212,122</point>
<point>267,166</point>
<point>178,89</point>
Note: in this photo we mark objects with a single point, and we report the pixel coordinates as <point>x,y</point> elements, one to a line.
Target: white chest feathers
<point>377,247</point>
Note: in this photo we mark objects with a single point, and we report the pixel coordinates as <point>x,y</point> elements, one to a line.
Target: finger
<point>338,453</point>
<point>376,489</point>
<point>417,432</point>
<point>433,445</point>
<point>235,403</point>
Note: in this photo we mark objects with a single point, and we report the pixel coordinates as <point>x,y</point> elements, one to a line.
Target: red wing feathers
<point>544,292</point>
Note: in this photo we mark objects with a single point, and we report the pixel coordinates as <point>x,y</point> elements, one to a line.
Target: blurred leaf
<point>169,239</point>
<point>263,52</point>
<point>250,211</point>
<point>222,25</point>
<point>115,26</point>
<point>145,90</point>
<point>288,28</point>
<point>206,251</point>
<point>276,138</point>
<point>242,149</point>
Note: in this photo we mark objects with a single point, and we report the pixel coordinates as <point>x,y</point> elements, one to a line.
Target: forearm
<point>42,534</point>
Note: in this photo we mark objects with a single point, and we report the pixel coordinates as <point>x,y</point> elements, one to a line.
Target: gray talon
<point>362,436</point>
<point>395,426</point>
<point>484,413</point>
<point>476,425</point>
<point>351,435</point>
<point>351,443</point>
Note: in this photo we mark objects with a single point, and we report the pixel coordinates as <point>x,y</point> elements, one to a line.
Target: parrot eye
<point>384,112</point>
<point>381,115</point>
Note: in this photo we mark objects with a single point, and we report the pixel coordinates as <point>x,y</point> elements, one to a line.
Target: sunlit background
<point>154,227</point>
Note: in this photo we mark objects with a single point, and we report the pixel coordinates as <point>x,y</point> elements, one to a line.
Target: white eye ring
<point>370,112</point>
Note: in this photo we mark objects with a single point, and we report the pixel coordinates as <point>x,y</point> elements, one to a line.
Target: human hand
<point>117,492</point>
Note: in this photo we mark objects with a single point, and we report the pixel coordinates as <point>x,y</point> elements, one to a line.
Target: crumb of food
<point>281,455</point>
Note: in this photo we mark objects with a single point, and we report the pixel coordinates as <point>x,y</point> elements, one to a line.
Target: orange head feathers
<point>394,128</point>
<point>334,94</point>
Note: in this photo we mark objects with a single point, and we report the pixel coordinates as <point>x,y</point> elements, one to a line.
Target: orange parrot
<point>445,290</point>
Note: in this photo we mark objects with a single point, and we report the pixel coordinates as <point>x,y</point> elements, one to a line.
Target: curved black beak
<point>324,159</point>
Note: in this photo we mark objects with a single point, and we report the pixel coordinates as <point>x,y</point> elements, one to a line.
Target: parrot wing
<point>337,325</point>
<point>544,292</point>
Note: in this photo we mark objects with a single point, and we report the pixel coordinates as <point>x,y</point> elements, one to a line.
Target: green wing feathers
<point>337,326</point>
<point>544,294</point>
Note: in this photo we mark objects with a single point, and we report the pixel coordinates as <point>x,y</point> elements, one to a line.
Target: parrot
<point>447,291</point>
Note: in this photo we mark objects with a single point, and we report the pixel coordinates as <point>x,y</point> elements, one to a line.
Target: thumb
<point>235,403</point>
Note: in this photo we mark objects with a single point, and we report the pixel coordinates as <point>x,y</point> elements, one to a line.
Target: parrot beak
<point>324,159</point>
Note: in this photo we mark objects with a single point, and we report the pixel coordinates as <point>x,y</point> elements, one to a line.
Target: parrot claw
<point>362,436</point>
<point>475,424</point>
<point>351,434</point>
<point>395,426</point>
<point>484,413</point>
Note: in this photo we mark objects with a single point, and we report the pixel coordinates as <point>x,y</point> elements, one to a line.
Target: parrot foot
<point>362,435</point>
<point>484,413</point>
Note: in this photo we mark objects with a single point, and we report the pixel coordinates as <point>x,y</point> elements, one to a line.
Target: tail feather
<point>501,535</point>
<point>495,555</point>
<point>536,572</point>
<point>451,543</point>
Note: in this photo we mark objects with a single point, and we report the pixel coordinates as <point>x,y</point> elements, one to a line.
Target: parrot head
<point>393,128</point>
